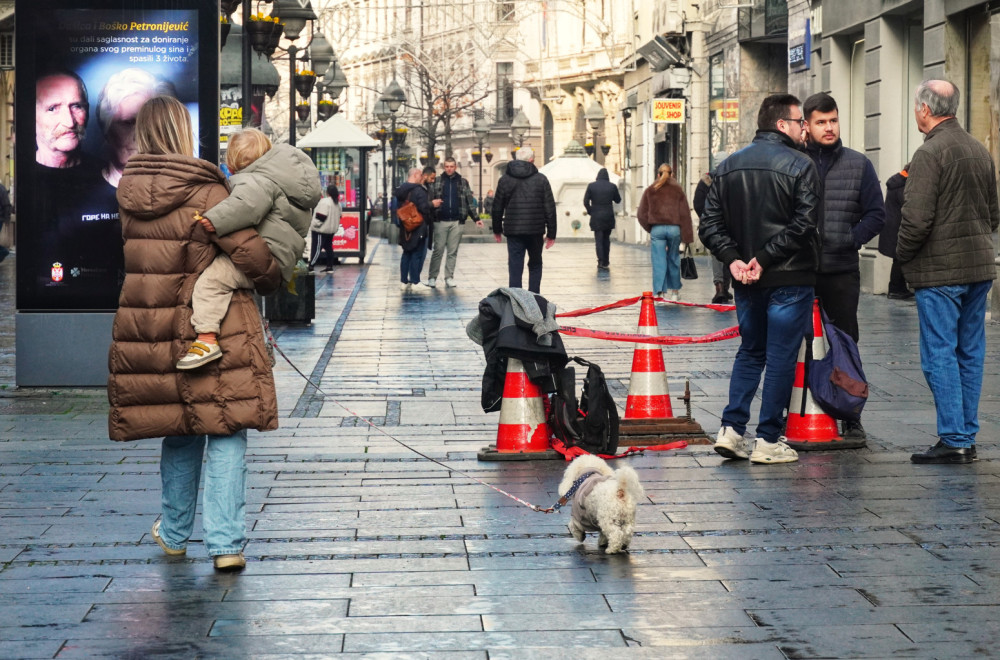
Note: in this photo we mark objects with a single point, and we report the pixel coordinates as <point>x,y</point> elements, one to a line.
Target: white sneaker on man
<point>730,444</point>
<point>773,452</point>
<point>451,282</point>
<point>404,286</point>
<point>432,282</point>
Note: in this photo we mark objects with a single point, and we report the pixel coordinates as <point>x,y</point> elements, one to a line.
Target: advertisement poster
<point>668,111</point>
<point>83,74</point>
<point>348,237</point>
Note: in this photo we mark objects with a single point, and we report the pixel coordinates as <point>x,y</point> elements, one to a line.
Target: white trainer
<point>730,444</point>
<point>432,282</point>
<point>674,295</point>
<point>404,286</point>
<point>773,452</point>
<point>451,282</point>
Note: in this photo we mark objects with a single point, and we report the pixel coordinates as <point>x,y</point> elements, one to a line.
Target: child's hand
<point>205,222</point>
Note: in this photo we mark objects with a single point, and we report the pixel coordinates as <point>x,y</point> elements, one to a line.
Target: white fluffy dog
<point>605,502</point>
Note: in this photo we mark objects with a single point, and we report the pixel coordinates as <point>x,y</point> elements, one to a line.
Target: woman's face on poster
<point>60,114</point>
<point>121,130</point>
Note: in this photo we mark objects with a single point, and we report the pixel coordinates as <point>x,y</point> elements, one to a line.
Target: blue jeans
<point>411,263</point>
<point>772,322</point>
<point>224,505</point>
<point>952,352</point>
<point>516,247</point>
<point>665,241</point>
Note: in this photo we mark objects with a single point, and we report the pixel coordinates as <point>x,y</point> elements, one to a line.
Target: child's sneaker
<point>198,354</point>
<point>773,452</point>
<point>730,444</point>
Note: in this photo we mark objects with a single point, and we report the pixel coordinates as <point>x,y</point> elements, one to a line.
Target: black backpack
<point>591,423</point>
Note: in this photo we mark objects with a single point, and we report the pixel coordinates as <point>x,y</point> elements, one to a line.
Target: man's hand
<point>479,223</point>
<point>746,273</point>
<point>756,270</point>
<point>549,242</point>
<point>436,203</point>
<point>498,238</point>
<point>205,222</point>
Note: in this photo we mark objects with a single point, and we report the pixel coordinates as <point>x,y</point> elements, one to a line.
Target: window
<point>505,12</point>
<point>505,92</point>
<point>6,51</point>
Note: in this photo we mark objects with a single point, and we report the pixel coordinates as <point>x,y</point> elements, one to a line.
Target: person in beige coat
<point>208,411</point>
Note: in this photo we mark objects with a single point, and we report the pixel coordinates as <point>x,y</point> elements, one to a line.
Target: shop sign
<point>668,111</point>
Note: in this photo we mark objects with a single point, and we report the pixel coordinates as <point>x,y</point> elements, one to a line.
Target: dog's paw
<point>576,531</point>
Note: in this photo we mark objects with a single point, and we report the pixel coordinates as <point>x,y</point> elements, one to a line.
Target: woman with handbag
<point>664,212</point>
<point>413,239</point>
<point>325,223</point>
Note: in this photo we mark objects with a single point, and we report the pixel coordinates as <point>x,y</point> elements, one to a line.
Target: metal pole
<point>246,102</point>
<point>395,165</point>
<point>385,191</point>
<point>481,159</point>
<point>292,50</point>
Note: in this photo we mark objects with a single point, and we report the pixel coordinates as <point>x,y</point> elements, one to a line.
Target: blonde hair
<point>665,172</point>
<point>245,147</point>
<point>163,126</point>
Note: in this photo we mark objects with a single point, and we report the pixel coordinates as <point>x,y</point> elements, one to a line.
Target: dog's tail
<point>628,483</point>
<point>582,465</point>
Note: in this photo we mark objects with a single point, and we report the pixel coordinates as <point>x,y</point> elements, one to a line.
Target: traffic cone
<point>808,427</point>
<point>523,433</point>
<point>648,395</point>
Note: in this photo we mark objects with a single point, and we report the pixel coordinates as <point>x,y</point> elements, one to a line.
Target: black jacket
<point>763,204</point>
<point>599,201</point>
<point>853,209</point>
<point>417,194</point>
<point>893,213</point>
<point>523,204</point>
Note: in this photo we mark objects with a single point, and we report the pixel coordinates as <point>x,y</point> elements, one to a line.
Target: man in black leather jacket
<point>761,221</point>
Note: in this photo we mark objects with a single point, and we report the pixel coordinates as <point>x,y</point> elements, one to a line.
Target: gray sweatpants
<point>212,292</point>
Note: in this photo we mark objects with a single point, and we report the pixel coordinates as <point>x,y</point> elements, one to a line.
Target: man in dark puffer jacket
<point>945,243</point>
<point>524,211</point>
<point>853,214</point>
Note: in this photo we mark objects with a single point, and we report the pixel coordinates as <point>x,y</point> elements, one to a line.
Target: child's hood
<point>292,171</point>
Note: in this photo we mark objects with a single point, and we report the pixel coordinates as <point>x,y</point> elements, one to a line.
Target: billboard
<point>84,69</point>
<point>668,111</point>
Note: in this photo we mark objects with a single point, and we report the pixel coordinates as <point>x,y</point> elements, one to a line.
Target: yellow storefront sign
<point>668,111</point>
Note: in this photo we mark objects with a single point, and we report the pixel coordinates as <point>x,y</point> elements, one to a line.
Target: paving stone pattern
<point>360,548</point>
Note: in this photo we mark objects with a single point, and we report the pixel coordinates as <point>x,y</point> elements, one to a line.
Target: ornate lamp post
<point>382,135</point>
<point>295,15</point>
<point>519,127</point>
<point>481,129</point>
<point>595,117</point>
<point>391,101</point>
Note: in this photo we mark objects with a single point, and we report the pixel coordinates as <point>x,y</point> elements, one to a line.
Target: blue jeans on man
<point>411,263</point>
<point>952,352</point>
<point>772,323</point>
<point>664,245</point>
<point>224,500</point>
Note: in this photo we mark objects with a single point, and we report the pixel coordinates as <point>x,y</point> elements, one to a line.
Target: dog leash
<point>534,507</point>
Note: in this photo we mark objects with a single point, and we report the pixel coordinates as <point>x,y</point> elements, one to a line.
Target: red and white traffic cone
<point>523,433</point>
<point>809,427</point>
<point>648,394</point>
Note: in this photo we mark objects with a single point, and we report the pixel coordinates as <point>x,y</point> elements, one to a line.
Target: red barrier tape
<point>631,301</point>
<point>720,335</point>
<point>572,452</point>
<point>712,306</point>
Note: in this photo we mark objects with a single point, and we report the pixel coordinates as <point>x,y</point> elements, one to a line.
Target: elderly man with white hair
<point>524,210</point>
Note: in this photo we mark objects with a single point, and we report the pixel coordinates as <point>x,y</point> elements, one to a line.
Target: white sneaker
<point>773,452</point>
<point>674,295</point>
<point>451,282</point>
<point>432,282</point>
<point>730,444</point>
<point>404,286</point>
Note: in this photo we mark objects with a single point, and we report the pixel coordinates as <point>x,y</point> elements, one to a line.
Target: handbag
<point>689,271</point>
<point>409,217</point>
<point>837,382</point>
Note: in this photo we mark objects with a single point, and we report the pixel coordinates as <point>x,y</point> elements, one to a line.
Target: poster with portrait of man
<point>84,70</point>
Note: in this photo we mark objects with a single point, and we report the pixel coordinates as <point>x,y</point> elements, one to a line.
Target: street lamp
<point>481,129</point>
<point>333,83</point>
<point>294,15</point>
<point>391,101</point>
<point>595,117</point>
<point>519,127</point>
<point>382,135</point>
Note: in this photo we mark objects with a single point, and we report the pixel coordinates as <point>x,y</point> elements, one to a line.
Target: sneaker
<point>674,295</point>
<point>852,430</point>
<point>730,444</point>
<point>171,552</point>
<point>199,353</point>
<point>432,282</point>
<point>404,286</point>
<point>773,452</point>
<point>451,282</point>
<point>229,562</point>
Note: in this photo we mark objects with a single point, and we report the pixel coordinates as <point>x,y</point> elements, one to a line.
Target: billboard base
<point>68,349</point>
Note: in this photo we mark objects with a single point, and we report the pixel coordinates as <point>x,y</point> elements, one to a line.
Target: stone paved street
<point>359,548</point>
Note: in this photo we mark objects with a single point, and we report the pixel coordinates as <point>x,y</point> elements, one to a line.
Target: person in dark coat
<point>414,243</point>
<point>599,200</point>
<point>721,276</point>
<point>887,238</point>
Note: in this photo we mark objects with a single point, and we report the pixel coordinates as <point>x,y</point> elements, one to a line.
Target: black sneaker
<point>853,431</point>
<point>942,453</point>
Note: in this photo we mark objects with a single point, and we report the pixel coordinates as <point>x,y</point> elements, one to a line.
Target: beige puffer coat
<point>165,250</point>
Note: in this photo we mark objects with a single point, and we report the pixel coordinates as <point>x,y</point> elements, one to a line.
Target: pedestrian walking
<point>414,243</point>
<point>945,243</point>
<point>524,211</point>
<point>721,276</point>
<point>456,204</point>
<point>898,290</point>
<point>325,223</point>
<point>664,212</point>
<point>488,203</point>
<point>6,212</point>
<point>761,221</point>
<point>204,412</point>
<point>853,213</point>
<point>599,200</point>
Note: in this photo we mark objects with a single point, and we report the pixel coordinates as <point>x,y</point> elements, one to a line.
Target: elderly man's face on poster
<point>60,120</point>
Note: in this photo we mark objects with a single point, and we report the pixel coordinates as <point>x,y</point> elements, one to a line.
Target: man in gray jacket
<point>950,212</point>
